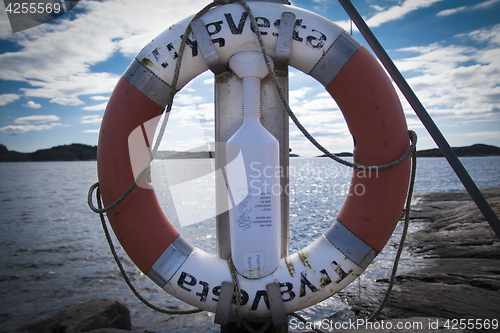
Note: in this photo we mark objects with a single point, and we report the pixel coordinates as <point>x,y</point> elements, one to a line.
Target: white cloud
<point>486,134</point>
<point>91,120</point>
<point>65,90</point>
<point>91,131</point>
<point>480,6</point>
<point>8,98</point>
<point>206,112</point>
<point>97,107</point>
<point>377,8</point>
<point>320,110</point>
<point>187,99</point>
<point>209,81</point>
<point>488,36</point>
<point>398,12</point>
<point>99,98</point>
<point>31,123</point>
<point>184,145</point>
<point>338,129</point>
<point>29,120</point>
<point>56,59</point>
<point>192,115</point>
<point>486,4</point>
<point>321,104</point>
<point>457,80</point>
<point>296,95</point>
<point>32,105</point>
<point>323,94</point>
<point>310,119</point>
<point>17,129</point>
<point>431,56</point>
<point>448,12</point>
<point>333,136</point>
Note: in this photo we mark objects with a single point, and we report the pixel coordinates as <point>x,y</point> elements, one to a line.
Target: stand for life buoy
<point>227,94</point>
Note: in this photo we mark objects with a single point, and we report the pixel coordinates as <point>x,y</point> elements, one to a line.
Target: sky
<point>56,78</point>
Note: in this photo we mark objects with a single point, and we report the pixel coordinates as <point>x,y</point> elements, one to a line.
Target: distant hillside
<point>81,152</point>
<point>474,150</point>
<point>72,152</point>
<point>343,154</point>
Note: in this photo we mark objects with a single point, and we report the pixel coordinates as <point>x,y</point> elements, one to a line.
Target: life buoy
<point>371,109</point>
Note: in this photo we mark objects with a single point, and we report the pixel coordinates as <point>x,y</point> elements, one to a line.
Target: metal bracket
<point>284,42</point>
<point>207,47</point>
<point>222,312</point>
<point>224,303</point>
<point>276,304</point>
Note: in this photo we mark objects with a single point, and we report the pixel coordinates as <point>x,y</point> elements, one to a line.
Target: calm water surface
<point>53,252</point>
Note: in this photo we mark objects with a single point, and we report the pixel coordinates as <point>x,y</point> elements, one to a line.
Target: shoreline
<point>84,152</point>
<point>452,267</point>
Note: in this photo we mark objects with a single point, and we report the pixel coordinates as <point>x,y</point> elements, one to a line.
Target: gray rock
<point>90,316</point>
<point>457,228</point>
<point>453,270</point>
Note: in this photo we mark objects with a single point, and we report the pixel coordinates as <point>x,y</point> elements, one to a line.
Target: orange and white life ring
<point>373,114</point>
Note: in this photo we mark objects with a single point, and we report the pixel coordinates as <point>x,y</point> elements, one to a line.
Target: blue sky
<point>55,79</point>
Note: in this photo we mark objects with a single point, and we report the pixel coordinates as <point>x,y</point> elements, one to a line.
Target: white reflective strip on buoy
<point>305,278</point>
<point>334,59</point>
<point>170,261</point>
<point>350,244</point>
<point>148,83</point>
<point>229,28</point>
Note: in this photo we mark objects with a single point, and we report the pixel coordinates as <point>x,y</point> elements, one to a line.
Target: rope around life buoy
<point>101,211</point>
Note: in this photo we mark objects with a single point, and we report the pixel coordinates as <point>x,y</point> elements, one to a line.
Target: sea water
<point>53,252</point>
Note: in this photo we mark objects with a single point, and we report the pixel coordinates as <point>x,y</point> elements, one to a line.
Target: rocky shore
<point>451,270</point>
<point>97,315</point>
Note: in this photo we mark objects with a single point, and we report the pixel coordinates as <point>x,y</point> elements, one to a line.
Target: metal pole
<point>426,119</point>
